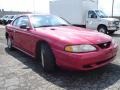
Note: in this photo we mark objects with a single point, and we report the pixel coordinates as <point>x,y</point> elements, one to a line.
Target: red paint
<point>58,38</point>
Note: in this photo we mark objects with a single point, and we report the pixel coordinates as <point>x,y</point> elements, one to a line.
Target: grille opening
<point>104,45</point>
<point>97,63</point>
<point>87,66</point>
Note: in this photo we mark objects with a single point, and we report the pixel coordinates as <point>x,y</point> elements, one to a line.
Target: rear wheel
<point>47,58</point>
<point>102,29</point>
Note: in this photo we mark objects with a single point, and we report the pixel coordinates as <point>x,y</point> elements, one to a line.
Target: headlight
<point>80,48</point>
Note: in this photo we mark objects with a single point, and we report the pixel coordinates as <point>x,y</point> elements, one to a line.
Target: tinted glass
<point>91,14</point>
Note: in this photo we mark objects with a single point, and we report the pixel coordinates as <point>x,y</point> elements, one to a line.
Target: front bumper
<point>85,61</point>
<point>113,28</point>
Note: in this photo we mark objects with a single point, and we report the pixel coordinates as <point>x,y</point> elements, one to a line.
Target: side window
<point>92,14</point>
<point>21,21</point>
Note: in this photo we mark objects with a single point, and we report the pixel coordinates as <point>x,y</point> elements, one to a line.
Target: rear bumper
<point>85,61</point>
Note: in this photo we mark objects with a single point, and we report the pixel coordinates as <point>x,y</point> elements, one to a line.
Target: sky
<point>43,6</point>
<point>106,6</point>
<point>25,5</point>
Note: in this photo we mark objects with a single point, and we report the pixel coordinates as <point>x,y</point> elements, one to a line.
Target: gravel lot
<point>20,72</point>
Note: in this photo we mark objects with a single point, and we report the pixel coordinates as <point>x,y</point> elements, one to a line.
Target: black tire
<point>10,43</point>
<point>103,29</point>
<point>110,32</point>
<point>47,58</point>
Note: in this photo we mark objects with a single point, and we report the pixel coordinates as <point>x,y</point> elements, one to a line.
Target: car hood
<point>75,35</point>
<point>111,19</point>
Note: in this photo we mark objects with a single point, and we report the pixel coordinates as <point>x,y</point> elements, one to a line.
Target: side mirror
<point>24,27</point>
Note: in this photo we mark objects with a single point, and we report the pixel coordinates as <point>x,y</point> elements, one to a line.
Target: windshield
<point>9,17</point>
<point>101,14</point>
<point>47,21</point>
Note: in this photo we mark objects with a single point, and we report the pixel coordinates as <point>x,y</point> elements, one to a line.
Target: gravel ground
<point>20,72</point>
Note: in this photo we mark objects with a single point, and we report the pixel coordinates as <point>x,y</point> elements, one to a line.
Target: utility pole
<point>112,8</point>
<point>97,4</point>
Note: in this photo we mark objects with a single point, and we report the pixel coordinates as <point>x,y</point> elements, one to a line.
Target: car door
<point>16,34</point>
<point>23,36</point>
<point>91,21</point>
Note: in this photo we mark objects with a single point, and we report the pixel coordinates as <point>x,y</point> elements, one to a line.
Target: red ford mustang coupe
<point>55,42</point>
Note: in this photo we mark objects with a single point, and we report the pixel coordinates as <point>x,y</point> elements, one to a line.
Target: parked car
<point>54,42</point>
<point>3,18</point>
<point>11,18</point>
<point>7,19</point>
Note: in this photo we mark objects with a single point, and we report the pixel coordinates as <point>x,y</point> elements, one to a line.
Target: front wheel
<point>47,58</point>
<point>9,43</point>
<point>102,30</point>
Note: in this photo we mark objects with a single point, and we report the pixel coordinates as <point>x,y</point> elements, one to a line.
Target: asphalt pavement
<point>20,72</point>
